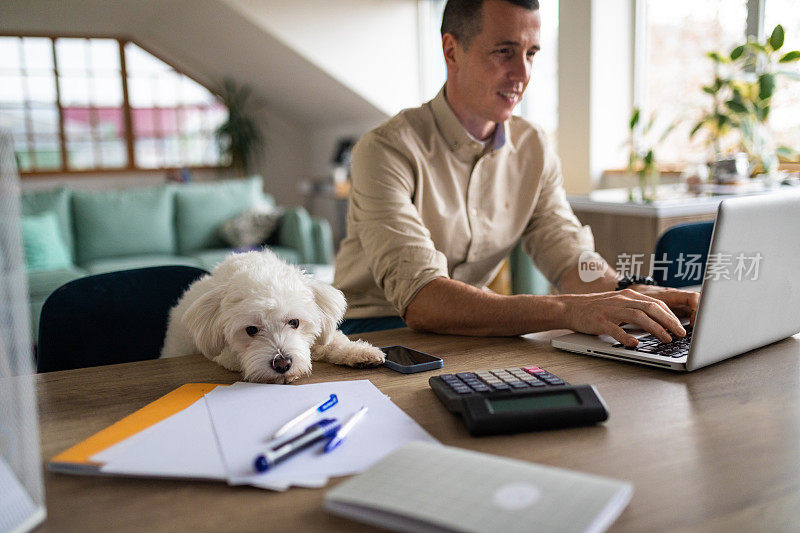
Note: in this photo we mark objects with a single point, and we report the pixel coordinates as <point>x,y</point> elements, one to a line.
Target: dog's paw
<point>361,354</point>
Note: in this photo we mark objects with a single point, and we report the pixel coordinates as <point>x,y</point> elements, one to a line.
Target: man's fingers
<point>660,314</point>
<point>641,319</point>
<point>622,336</point>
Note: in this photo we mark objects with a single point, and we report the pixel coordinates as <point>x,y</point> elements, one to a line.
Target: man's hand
<point>682,303</point>
<point>604,313</point>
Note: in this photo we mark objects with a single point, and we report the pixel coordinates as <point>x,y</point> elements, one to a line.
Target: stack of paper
<point>219,436</point>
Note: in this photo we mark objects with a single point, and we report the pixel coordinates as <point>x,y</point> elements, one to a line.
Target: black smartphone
<point>408,361</point>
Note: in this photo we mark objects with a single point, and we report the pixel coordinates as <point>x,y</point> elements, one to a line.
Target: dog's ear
<point>202,321</point>
<point>331,304</point>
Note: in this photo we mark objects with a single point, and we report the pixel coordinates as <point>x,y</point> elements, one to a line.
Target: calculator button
<point>501,386</point>
<point>449,378</point>
<point>464,375</point>
<point>532,369</point>
<point>464,390</point>
<point>481,388</point>
<point>518,384</point>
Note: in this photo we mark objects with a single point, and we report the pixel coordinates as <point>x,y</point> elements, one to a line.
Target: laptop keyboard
<point>650,344</point>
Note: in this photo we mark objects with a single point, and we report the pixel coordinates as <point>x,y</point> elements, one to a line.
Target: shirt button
<point>473,212</point>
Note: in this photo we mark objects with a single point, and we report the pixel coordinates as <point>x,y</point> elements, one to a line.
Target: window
<point>80,104</point>
<point>672,66</point>
<point>677,35</point>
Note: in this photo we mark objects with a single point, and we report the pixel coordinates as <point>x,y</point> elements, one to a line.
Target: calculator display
<point>524,403</point>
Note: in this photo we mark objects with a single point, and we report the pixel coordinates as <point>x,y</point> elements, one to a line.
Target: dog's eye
<point>251,330</point>
<point>294,323</point>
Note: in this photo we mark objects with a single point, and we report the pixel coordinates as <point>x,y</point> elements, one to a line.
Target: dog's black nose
<point>281,364</point>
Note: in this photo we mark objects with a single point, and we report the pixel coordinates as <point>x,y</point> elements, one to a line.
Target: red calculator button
<point>532,369</point>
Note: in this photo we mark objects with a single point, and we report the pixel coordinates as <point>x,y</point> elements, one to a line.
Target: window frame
<point>127,111</point>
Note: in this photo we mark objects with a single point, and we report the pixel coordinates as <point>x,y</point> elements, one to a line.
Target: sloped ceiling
<point>208,40</point>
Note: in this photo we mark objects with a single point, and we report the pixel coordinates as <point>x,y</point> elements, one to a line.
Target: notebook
<point>428,487</point>
<point>750,293</point>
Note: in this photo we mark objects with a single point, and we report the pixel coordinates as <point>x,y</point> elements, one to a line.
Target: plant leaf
<point>786,153</point>
<point>788,57</point>
<point>736,107</point>
<point>716,57</point>
<point>766,86</point>
<point>697,127</point>
<point>777,37</point>
<point>737,52</point>
<point>634,117</point>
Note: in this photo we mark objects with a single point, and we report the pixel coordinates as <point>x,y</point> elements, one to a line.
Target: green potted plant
<point>240,137</point>
<point>745,81</point>
<point>642,161</point>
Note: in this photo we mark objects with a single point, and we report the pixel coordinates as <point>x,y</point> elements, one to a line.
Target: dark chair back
<point>681,254</point>
<point>110,318</point>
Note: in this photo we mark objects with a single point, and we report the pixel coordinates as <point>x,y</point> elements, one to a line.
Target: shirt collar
<point>456,137</point>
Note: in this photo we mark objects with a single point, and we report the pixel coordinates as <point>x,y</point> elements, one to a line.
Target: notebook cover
<point>75,460</point>
<point>425,487</point>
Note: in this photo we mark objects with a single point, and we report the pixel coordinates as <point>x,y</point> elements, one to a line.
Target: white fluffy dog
<point>258,315</point>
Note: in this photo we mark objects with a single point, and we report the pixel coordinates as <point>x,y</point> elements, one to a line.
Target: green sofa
<point>175,224</point>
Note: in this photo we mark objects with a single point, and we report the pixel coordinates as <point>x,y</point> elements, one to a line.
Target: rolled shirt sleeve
<point>396,244</point>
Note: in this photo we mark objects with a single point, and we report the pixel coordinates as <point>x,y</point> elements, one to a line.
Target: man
<point>442,193</point>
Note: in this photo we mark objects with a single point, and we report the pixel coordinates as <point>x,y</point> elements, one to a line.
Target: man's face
<point>486,81</point>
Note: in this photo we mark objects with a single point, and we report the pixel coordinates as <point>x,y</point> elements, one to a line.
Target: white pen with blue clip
<point>316,408</point>
<point>340,435</point>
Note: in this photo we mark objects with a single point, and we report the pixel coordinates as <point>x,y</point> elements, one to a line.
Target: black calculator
<point>514,400</point>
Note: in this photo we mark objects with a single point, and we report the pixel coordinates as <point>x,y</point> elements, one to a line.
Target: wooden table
<point>714,450</point>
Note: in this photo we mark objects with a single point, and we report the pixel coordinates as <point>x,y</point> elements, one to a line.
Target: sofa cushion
<point>123,223</point>
<point>57,201</point>
<point>101,266</point>
<point>203,207</point>
<point>211,258</point>
<point>43,243</point>
<point>43,282</point>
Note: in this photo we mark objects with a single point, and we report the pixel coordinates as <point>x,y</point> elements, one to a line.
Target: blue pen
<point>320,407</point>
<point>323,429</point>
<point>340,435</point>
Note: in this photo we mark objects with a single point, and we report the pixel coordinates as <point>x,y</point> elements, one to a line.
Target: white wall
<point>370,46</point>
<point>595,76</point>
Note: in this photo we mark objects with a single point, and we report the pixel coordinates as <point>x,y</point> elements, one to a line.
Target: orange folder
<point>75,460</point>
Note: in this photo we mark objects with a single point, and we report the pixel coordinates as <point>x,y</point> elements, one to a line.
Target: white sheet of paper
<point>181,446</point>
<point>244,417</point>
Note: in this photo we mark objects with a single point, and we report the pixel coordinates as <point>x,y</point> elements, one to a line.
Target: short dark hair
<point>462,18</point>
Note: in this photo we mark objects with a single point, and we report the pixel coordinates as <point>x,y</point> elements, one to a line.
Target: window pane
<point>11,89</point>
<point>13,118</point>
<point>104,55</point>
<point>168,122</point>
<point>38,54</point>
<point>48,153</point>
<point>193,93</point>
<point>140,92</point>
<point>148,153</point>
<point>168,91</point>
<point>211,153</point>
<point>113,154</point>
<point>784,120</point>
<point>44,120</point>
<point>216,115</point>
<point>71,55</point>
<point>24,160</point>
<point>9,54</point>
<point>190,120</point>
<point>107,91</point>
<point>679,34</point>
<point>110,124</point>
<point>144,122</point>
<point>138,62</point>
<point>74,90</point>
<point>77,123</point>
<point>81,155</point>
<point>172,153</point>
<point>41,89</point>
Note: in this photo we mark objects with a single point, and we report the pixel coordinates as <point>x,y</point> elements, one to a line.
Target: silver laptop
<point>750,295</point>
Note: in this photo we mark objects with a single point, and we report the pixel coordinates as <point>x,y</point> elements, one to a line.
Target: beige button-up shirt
<point>429,201</point>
